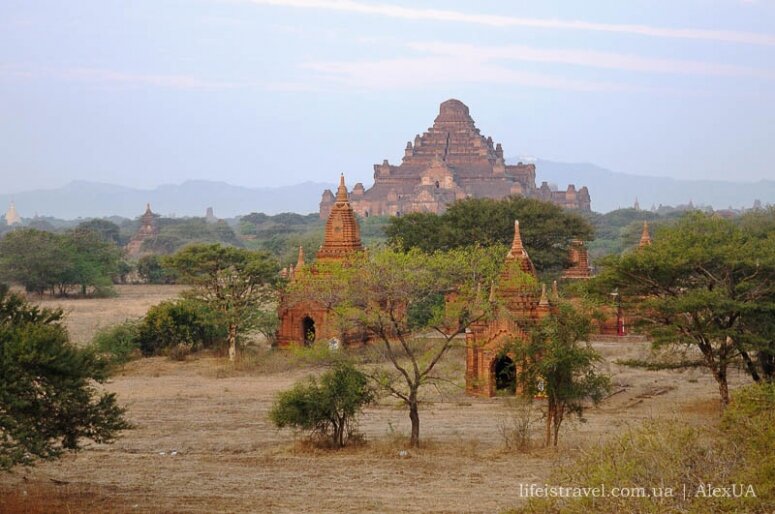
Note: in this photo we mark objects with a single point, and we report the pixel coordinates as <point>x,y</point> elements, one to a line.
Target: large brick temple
<point>451,161</point>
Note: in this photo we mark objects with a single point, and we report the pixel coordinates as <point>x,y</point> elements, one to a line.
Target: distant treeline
<point>472,221</point>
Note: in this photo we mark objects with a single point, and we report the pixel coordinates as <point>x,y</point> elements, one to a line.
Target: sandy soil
<point>230,459</point>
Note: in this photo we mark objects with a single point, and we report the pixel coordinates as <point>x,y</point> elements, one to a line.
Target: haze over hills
<point>191,198</point>
<point>609,190</point>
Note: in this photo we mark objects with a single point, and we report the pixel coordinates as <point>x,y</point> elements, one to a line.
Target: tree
<point>150,269</point>
<point>48,401</point>
<point>707,284</point>
<point>397,298</point>
<point>328,408</point>
<point>43,261</point>
<point>95,260</point>
<point>555,363</point>
<point>235,282</point>
<point>107,230</point>
<point>38,260</point>
<point>547,229</point>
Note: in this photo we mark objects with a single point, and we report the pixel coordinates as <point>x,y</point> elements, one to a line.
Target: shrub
<point>118,342</point>
<point>327,408</point>
<point>175,322</point>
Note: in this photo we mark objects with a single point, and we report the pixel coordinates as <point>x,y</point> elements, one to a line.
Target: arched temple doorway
<point>308,330</point>
<point>504,374</point>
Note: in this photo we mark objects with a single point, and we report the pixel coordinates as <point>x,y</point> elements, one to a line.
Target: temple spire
<point>645,237</point>
<point>517,249</point>
<point>342,235</point>
<point>341,192</point>
<point>517,252</point>
<point>544,301</point>
<point>300,260</point>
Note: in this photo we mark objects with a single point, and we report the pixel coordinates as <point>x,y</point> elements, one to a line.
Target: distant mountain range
<point>609,190</point>
<point>192,198</point>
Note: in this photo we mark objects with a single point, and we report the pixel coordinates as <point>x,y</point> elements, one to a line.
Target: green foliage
<point>327,408</point>
<point>706,283</point>
<point>557,362</point>
<point>119,342</point>
<point>175,233</point>
<point>185,322</point>
<point>671,454</point>
<point>234,282</point>
<point>42,261</point>
<point>150,269</point>
<point>48,398</point>
<point>38,260</point>
<point>106,229</point>
<point>620,230</point>
<point>395,297</point>
<point>547,229</point>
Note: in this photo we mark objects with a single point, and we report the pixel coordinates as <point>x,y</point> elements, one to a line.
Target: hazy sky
<point>272,92</point>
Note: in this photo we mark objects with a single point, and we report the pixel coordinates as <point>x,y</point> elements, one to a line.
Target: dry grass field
<point>86,315</point>
<point>202,442</point>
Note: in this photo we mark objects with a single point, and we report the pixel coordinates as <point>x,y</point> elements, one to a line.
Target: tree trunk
<point>232,337</point>
<point>557,422</point>
<point>723,389</point>
<point>414,415</point>
<point>549,422</point>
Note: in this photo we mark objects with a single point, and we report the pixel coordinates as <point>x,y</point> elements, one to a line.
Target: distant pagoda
<point>148,230</point>
<point>11,216</point>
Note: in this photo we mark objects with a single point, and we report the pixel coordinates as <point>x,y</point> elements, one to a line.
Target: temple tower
<point>148,230</point>
<point>490,368</point>
<point>305,321</point>
<point>343,235</point>
<point>645,236</point>
<point>579,258</point>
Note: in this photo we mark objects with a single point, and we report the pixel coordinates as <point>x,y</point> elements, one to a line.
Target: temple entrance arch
<point>308,330</point>
<point>504,374</point>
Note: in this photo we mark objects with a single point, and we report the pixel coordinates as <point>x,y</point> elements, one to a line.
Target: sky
<point>271,92</point>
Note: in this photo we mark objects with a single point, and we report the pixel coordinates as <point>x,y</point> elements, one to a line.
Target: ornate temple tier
<point>449,162</point>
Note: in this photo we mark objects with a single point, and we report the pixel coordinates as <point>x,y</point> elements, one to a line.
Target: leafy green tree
<point>48,399</point>
<point>397,298</point>
<point>558,361</point>
<point>107,230</point>
<point>327,408</point>
<point>547,229</point>
<point>707,284</point>
<point>40,261</point>
<point>43,261</point>
<point>150,269</point>
<point>94,260</point>
<point>235,282</point>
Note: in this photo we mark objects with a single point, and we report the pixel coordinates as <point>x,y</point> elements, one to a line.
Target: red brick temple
<point>307,321</point>
<point>489,367</point>
<point>451,161</point>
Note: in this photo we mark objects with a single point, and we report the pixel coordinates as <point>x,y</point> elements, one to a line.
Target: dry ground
<point>86,315</point>
<point>230,459</point>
